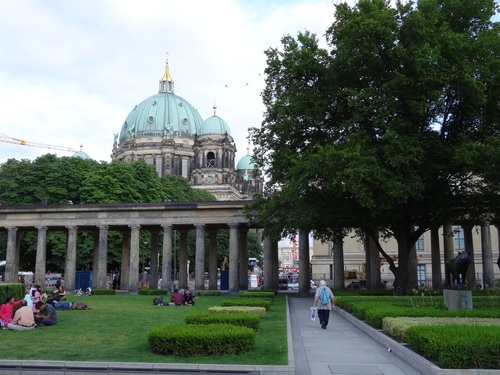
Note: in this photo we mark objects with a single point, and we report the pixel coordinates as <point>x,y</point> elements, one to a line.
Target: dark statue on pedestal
<point>457,269</point>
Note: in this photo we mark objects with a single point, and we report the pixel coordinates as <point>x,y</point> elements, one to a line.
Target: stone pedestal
<point>457,299</point>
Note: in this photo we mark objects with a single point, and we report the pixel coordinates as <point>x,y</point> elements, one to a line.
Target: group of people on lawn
<point>185,298</point>
<point>36,309</point>
<point>25,318</point>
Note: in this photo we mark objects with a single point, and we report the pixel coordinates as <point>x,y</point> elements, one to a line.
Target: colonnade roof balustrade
<point>212,214</point>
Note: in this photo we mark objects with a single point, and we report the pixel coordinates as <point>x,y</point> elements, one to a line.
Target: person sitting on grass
<point>37,295</point>
<point>46,314</point>
<point>24,318</point>
<point>188,297</point>
<point>61,293</point>
<point>6,311</point>
<point>177,298</point>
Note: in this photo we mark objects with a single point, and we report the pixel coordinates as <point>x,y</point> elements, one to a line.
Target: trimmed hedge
<point>373,311</point>
<point>152,292</point>
<point>209,340</point>
<point>104,292</point>
<point>258,294</point>
<point>240,319</point>
<point>275,292</point>
<point>397,327</point>
<point>208,293</point>
<point>458,346</point>
<point>258,302</point>
<point>17,290</point>
<point>259,311</point>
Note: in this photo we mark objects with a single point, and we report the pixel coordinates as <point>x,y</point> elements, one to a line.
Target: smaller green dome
<point>80,154</point>
<point>215,125</point>
<point>245,163</point>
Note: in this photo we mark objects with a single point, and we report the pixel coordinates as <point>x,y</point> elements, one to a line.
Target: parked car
<point>294,285</point>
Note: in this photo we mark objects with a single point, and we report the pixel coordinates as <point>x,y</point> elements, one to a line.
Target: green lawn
<point>115,330</point>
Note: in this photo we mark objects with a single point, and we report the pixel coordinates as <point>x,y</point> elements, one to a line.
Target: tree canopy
<point>78,181</point>
<point>393,130</point>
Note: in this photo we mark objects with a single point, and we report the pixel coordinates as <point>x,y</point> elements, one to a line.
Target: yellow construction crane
<point>22,142</point>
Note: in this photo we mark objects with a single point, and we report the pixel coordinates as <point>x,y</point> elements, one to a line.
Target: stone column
<point>212,265</point>
<point>11,257</point>
<point>338,261</point>
<point>199,266</point>
<point>102,259</point>
<point>166,268</point>
<point>243,255</point>
<point>304,267</point>
<point>95,259</point>
<point>41,256</point>
<point>437,278</point>
<point>70,261</point>
<point>469,248</point>
<point>183,258</point>
<point>487,255</point>
<point>268,263</point>
<point>233,258</point>
<point>125,267</point>
<point>153,262</point>
<point>133,278</point>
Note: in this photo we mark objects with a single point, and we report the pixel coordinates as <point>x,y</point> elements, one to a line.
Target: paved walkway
<point>342,349</point>
<point>346,347</point>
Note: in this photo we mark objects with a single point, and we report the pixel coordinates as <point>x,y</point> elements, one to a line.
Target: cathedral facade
<point>166,131</point>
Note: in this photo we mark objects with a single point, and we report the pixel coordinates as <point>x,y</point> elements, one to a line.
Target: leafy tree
<point>76,180</point>
<point>388,132</point>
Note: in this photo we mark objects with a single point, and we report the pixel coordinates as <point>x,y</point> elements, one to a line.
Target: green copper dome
<point>245,163</point>
<point>164,114</point>
<point>215,125</point>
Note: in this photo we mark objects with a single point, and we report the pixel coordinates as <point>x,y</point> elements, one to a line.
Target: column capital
<point>41,228</point>
<point>12,229</point>
<point>103,227</point>
<point>134,226</point>
<point>166,226</point>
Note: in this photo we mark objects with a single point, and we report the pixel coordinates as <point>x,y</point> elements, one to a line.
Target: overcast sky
<point>71,71</point>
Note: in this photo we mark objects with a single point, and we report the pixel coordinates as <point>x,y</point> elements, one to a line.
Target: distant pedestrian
<point>323,300</point>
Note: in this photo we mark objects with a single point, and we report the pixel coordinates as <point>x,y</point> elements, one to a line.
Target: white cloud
<point>71,71</point>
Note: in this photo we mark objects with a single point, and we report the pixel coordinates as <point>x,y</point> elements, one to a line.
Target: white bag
<point>314,312</point>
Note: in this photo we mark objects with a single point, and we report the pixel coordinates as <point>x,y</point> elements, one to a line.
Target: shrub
<point>259,311</point>
<point>258,294</point>
<point>397,327</point>
<point>259,302</point>
<point>458,347</point>
<point>240,319</point>
<point>208,292</point>
<point>209,340</point>
<point>17,290</point>
<point>152,292</point>
<point>104,292</point>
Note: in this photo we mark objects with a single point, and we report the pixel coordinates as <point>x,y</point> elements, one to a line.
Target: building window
<point>210,160</point>
<point>420,243</point>
<point>184,168</point>
<point>458,238</point>
<point>421,275</point>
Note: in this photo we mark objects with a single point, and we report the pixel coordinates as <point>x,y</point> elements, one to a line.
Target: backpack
<point>158,301</point>
<point>324,297</point>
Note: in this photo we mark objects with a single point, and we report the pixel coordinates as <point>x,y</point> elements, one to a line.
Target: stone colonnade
<point>238,279</point>
<point>166,217</point>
